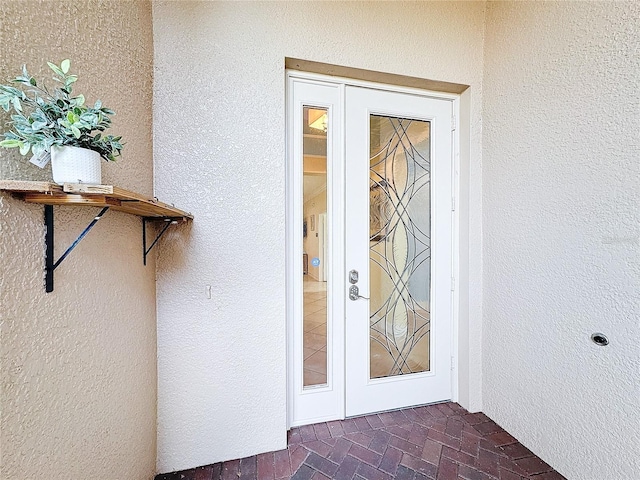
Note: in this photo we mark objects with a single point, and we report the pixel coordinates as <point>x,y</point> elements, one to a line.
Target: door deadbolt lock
<point>353,276</point>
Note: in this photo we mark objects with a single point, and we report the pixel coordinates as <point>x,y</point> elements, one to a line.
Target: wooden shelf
<point>79,194</point>
<point>105,196</point>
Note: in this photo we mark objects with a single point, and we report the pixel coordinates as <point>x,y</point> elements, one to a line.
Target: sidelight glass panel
<point>314,257</point>
<point>400,246</point>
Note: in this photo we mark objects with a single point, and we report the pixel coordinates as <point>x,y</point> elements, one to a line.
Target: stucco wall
<point>219,144</point>
<point>78,365</point>
<point>561,178</point>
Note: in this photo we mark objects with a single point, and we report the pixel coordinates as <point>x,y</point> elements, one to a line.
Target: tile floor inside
<point>437,442</point>
<point>314,312</point>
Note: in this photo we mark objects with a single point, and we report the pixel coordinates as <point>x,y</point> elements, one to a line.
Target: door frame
<point>322,247</point>
<point>293,244</point>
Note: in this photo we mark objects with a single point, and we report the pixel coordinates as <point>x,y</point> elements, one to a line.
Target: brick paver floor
<point>438,442</point>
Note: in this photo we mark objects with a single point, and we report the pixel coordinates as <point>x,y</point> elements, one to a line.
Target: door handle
<point>354,293</point>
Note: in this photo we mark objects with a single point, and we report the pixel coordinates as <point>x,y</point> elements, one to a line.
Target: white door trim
<point>318,77</point>
<point>294,243</point>
<point>322,402</point>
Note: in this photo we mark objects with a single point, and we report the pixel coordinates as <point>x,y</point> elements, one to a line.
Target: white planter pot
<point>75,165</point>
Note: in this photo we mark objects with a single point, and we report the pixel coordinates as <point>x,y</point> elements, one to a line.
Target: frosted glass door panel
<point>400,246</point>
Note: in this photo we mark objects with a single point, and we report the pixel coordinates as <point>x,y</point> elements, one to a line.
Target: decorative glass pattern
<point>400,246</point>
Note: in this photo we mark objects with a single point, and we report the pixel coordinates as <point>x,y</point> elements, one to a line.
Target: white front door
<point>398,240</point>
<point>369,210</point>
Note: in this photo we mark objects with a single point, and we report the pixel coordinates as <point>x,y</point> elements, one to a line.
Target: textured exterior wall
<point>219,145</point>
<point>561,178</point>
<point>78,365</point>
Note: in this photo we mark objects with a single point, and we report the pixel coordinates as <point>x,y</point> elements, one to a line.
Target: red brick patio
<point>438,442</point>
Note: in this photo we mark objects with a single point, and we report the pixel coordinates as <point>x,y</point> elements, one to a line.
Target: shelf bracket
<point>168,222</point>
<point>50,264</point>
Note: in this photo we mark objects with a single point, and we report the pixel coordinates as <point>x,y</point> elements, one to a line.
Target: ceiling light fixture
<point>318,119</point>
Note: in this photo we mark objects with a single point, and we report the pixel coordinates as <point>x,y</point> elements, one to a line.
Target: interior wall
<point>561,181</point>
<point>78,365</point>
<point>311,244</point>
<point>219,125</point>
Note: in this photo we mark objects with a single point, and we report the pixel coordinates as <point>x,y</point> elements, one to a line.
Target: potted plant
<point>54,122</point>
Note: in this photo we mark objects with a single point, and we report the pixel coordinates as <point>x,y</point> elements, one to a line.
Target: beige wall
<point>78,365</point>
<point>222,361</point>
<point>561,179</point>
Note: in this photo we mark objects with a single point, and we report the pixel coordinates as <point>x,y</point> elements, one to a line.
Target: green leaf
<point>38,125</point>
<point>16,104</point>
<point>64,66</point>
<point>76,132</point>
<point>80,100</point>
<point>10,143</point>
<point>33,82</point>
<point>38,149</point>
<point>98,105</point>
<point>24,148</point>
<point>55,69</point>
